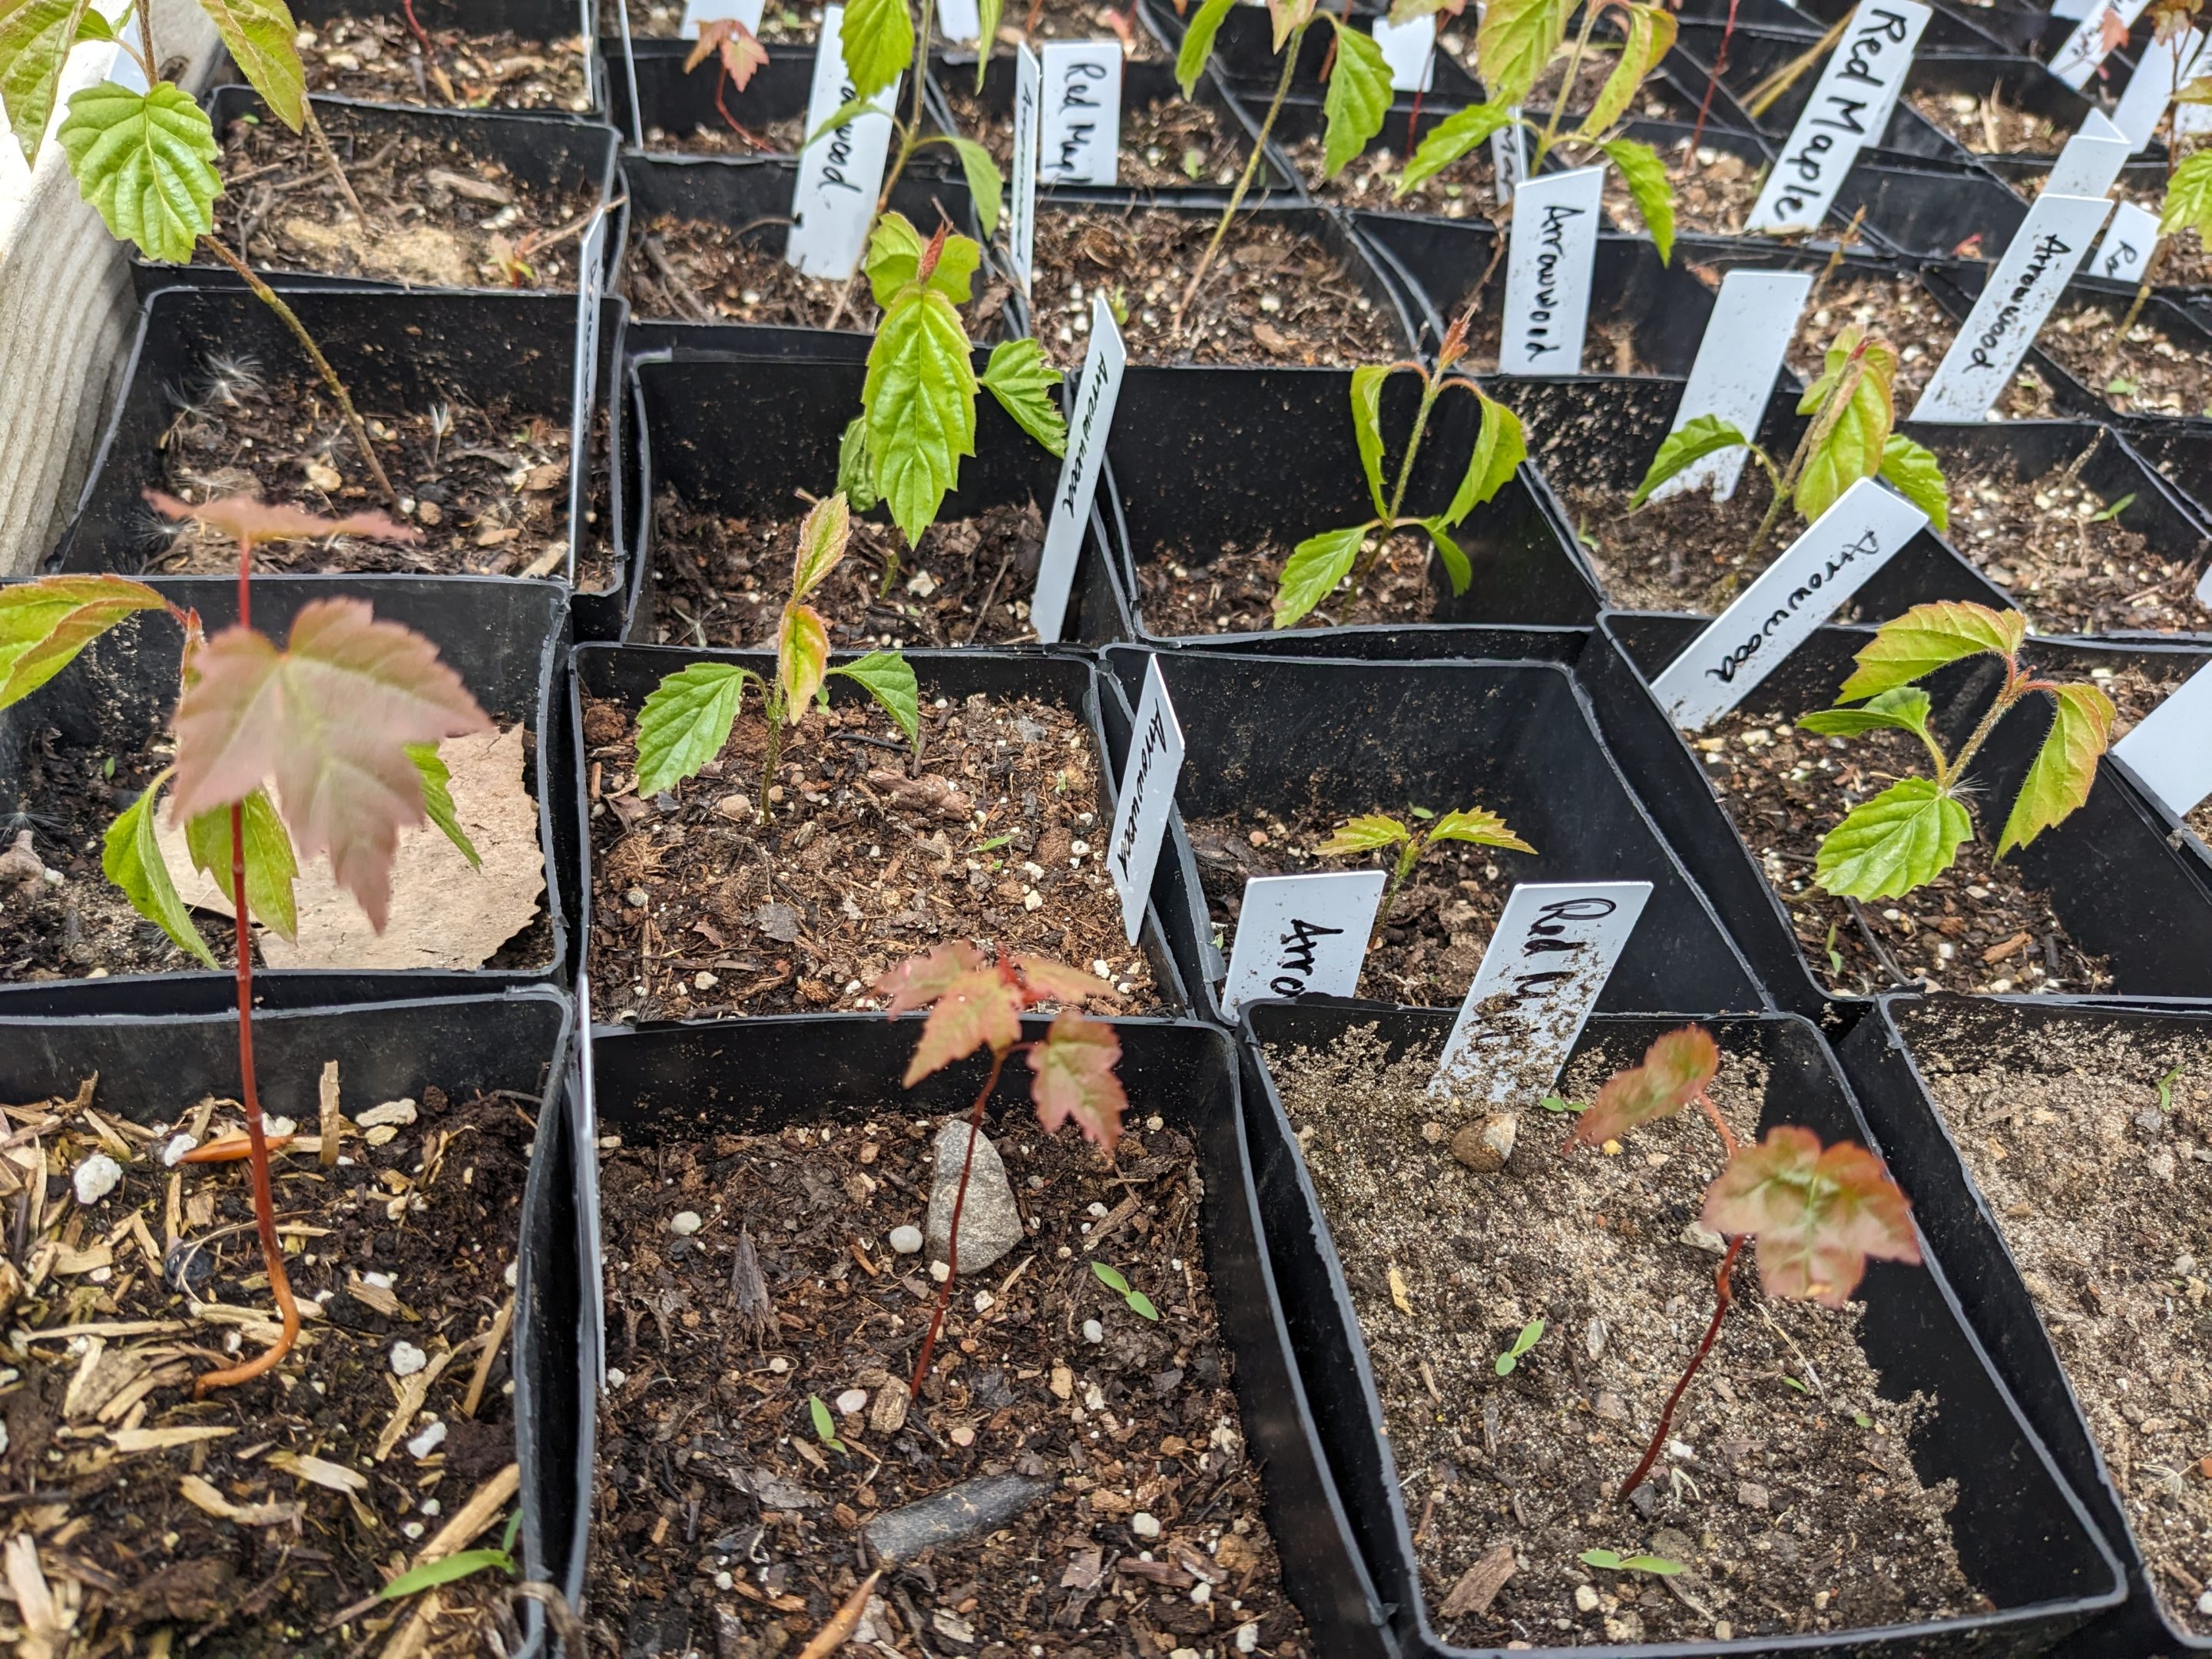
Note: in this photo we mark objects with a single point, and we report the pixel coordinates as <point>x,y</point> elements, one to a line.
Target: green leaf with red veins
<point>1676,1068</point>
<point>919,981</point>
<point>329,719</point>
<point>246,518</point>
<point>45,623</point>
<point>978,1010</point>
<point>1927,637</point>
<point>1056,981</point>
<point>1363,834</point>
<point>1075,1066</point>
<point>2064,769</point>
<point>802,657</point>
<point>822,538</point>
<point>1817,1215</point>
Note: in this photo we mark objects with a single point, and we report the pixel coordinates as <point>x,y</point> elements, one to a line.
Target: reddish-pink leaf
<point>978,1010</point>
<point>740,51</point>
<point>919,981</point>
<point>802,657</point>
<point>1676,1069</point>
<point>247,518</point>
<point>1817,1214</point>
<point>1075,1066</point>
<point>329,719</point>
<point>1056,981</point>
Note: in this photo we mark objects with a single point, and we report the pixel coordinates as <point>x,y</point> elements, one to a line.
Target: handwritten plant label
<point>1793,596</point>
<point>839,174</point>
<point>2124,254</point>
<point>2151,87</point>
<point>696,12</point>
<point>2039,262</point>
<point>958,20</point>
<point>1554,949</point>
<point>1548,272</point>
<point>1021,215</point>
<point>2076,60</point>
<point>1095,394</point>
<point>584,383</point>
<point>1849,109</point>
<point>1148,787</point>
<point>1754,315</point>
<point>1300,933</point>
<point>1409,49</point>
<point>2170,753</point>
<point>2093,158</point>
<point>1508,157</point>
<point>1082,133</point>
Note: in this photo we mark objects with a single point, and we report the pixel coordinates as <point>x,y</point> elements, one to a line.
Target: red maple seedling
<point>975,1004</point>
<point>738,56</point>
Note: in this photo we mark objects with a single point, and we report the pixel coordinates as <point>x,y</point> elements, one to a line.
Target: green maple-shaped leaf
<point>1927,636</point>
<point>131,859</point>
<point>270,867</point>
<point>1024,384</point>
<point>1075,1066</point>
<point>1676,1069</point>
<point>147,162</point>
<point>685,722</point>
<point>2065,769</point>
<point>45,623</point>
<point>878,37</point>
<point>260,34</point>
<point>1904,838</point>
<point>1695,439</point>
<point>1358,97</point>
<point>1363,834</point>
<point>1453,137</point>
<point>1817,1214</point>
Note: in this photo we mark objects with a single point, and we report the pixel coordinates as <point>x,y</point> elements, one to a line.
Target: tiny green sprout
<point>2120,386</point>
<point>825,1426</point>
<point>1193,163</point>
<point>447,1569</point>
<point>1531,1334</point>
<point>1560,1105</point>
<point>107,767</point>
<point>1795,1384</point>
<point>1611,1562</point>
<point>1374,830</point>
<point>1421,813</point>
<point>994,844</point>
<point>2114,510</point>
<point>1117,301</point>
<point>1139,1304</point>
<point>1835,957</point>
<point>1862,1419</point>
<point>2166,1089</point>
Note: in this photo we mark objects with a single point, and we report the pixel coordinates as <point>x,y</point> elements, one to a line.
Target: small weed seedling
<point>1817,1212</point>
<point>825,1426</point>
<point>1613,1561</point>
<point>1531,1334</point>
<point>1908,834</point>
<point>690,713</point>
<point>975,1005</point>
<point>462,1564</point>
<point>1854,412</point>
<point>738,56</point>
<point>1374,830</point>
<point>1319,563</point>
<point>1139,1304</point>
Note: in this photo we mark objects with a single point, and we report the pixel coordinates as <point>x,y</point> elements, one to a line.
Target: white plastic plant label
<point>1848,110</point>
<point>1793,596</point>
<point>584,381</point>
<point>2077,59</point>
<point>839,174</point>
<point>1508,157</point>
<point>2124,254</point>
<point>696,12</point>
<point>1301,934</point>
<point>1095,394</point>
<point>1548,272</point>
<point>1021,213</point>
<point>1410,51</point>
<point>1148,787</point>
<point>958,20</point>
<point>2093,158</point>
<point>2170,753</point>
<point>2039,262</point>
<point>2162,69</point>
<point>1754,315</point>
<point>1555,947</point>
<point>1081,141</point>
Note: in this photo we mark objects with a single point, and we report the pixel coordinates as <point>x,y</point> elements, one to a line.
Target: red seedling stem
<point>952,1237</point>
<point>1720,68</point>
<point>423,39</point>
<point>1713,1332</point>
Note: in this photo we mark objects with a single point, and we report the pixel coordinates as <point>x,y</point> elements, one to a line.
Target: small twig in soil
<point>1881,951</point>
<point>983,610</point>
<point>322,141</point>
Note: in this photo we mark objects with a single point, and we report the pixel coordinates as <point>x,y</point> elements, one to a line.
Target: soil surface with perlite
<point>1787,1498</point>
<point>759,1451</point>
<point>378,60</point>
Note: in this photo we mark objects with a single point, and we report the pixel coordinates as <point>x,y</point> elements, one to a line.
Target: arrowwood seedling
<point>1531,1334</point>
<point>1817,1212</point>
<point>1854,411</point>
<point>975,1005</point>
<point>1373,830</point>
<point>1908,834</point>
<point>1139,1304</point>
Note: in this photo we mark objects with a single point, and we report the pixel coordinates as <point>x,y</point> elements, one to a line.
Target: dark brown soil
<point>781,24</point>
<point>1686,553</point>
<point>437,216</point>
<point>1714,194</point>
<point>1988,126</point>
<point>2186,262</point>
<point>1654,101</point>
<point>1167,144</point>
<point>699,909</point>
<point>758,138</point>
<point>2105,1199</point>
<point>2143,373</point>
<point>726,579</point>
<point>2135,694</point>
<point>1978,926</point>
<point>1271,296</point>
<point>1466,189</point>
<point>698,271</point>
<point>1905,314</point>
<point>1433,940</point>
<point>1792,1504</point>
<point>386,1254</point>
<point>1079,20</point>
<point>751,1546</point>
<point>1234,592</point>
<point>376,59</point>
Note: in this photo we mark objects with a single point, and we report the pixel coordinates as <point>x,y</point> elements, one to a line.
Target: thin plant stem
<point>1566,89</point>
<point>330,156</point>
<point>775,712</point>
<point>1713,81</point>
<point>910,130</point>
<point>2014,688</point>
<point>1719,1123</point>
<point>952,1230</point>
<point>1432,389</point>
<point>2142,291</point>
<point>151,64</point>
<point>1723,1298</point>
<point>1243,179</point>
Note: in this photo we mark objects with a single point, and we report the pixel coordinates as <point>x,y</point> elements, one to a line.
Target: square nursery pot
<point>2022,1538</point>
<point>677,112</point>
<point>500,361</point>
<point>730,439</point>
<point>507,639</point>
<point>661,1088</point>
<point>1244,55</point>
<point>1199,466</point>
<point>2182,455</point>
<point>568,166</point>
<point>1950,33</point>
<point>1323,740</point>
<point>152,1069</point>
<point>2120,889</point>
<point>1888,1059</point>
<point>540,28</point>
<point>626,675</point>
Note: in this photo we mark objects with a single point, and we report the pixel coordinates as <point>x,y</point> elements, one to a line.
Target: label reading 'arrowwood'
<point>834,201</point>
<point>1095,394</point>
<point>1147,795</point>
<point>1301,934</point>
<point>1548,272</point>
<point>1848,110</point>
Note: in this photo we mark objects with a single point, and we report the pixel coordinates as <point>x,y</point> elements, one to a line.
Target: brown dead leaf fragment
<point>1479,1585</point>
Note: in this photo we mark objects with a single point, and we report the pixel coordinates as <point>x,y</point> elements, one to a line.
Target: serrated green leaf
<point>878,37</point>
<point>1198,43</point>
<point>1358,96</point>
<point>270,864</point>
<point>1457,570</point>
<point>1515,43</point>
<point>260,34</point>
<point>1019,377</point>
<point>1363,834</point>
<point>132,859</point>
<point>44,624</point>
<point>889,679</point>
<point>1904,709</point>
<point>1904,838</point>
<point>1110,1278</point>
<point>893,261</point>
<point>920,397</point>
<point>1695,439</point>
<point>1481,827</point>
<point>2064,769</point>
<point>446,1570</point>
<point>822,536</point>
<point>1650,37</point>
<point>438,799</point>
<point>1857,437</point>
<point>1453,137</point>
<point>984,183</point>
<point>1367,382</point>
<point>1316,566</point>
<point>2189,198</point>
<point>1500,447</point>
<point>1925,638</point>
<point>1648,187</point>
<point>147,162</point>
<point>989,11</point>
<point>685,722</point>
<point>854,476</point>
<point>1141,1305</point>
<point>35,39</point>
<point>851,110</point>
<point>1918,475</point>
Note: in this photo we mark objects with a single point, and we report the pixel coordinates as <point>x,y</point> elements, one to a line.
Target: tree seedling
<point>825,1426</point>
<point>690,713</point>
<point>1854,411</point>
<point>1477,826</point>
<point>1816,1213</point>
<point>1909,834</point>
<point>880,40</point>
<point>1139,1304</point>
<point>2188,204</point>
<point>738,56</point>
<point>1531,1334</point>
<point>973,1004</point>
<point>1319,563</point>
<point>1611,1561</point>
<point>343,719</point>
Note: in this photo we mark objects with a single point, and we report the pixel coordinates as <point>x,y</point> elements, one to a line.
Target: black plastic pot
<point>737,436</point>
<point>150,1068</point>
<point>1879,1057</point>
<point>2181,453</point>
<point>507,639</point>
<point>2023,1538</point>
<point>2121,890</point>
<point>1929,211</point>
<point>1244,55</point>
<point>544,20</point>
<point>1342,738</point>
<point>1950,33</point>
<point>674,104</point>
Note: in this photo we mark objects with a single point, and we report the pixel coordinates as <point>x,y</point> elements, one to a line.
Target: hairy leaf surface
<point>1927,637</point>
<point>1904,838</point>
<point>685,722</point>
<point>2064,769</point>
<point>45,623</point>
